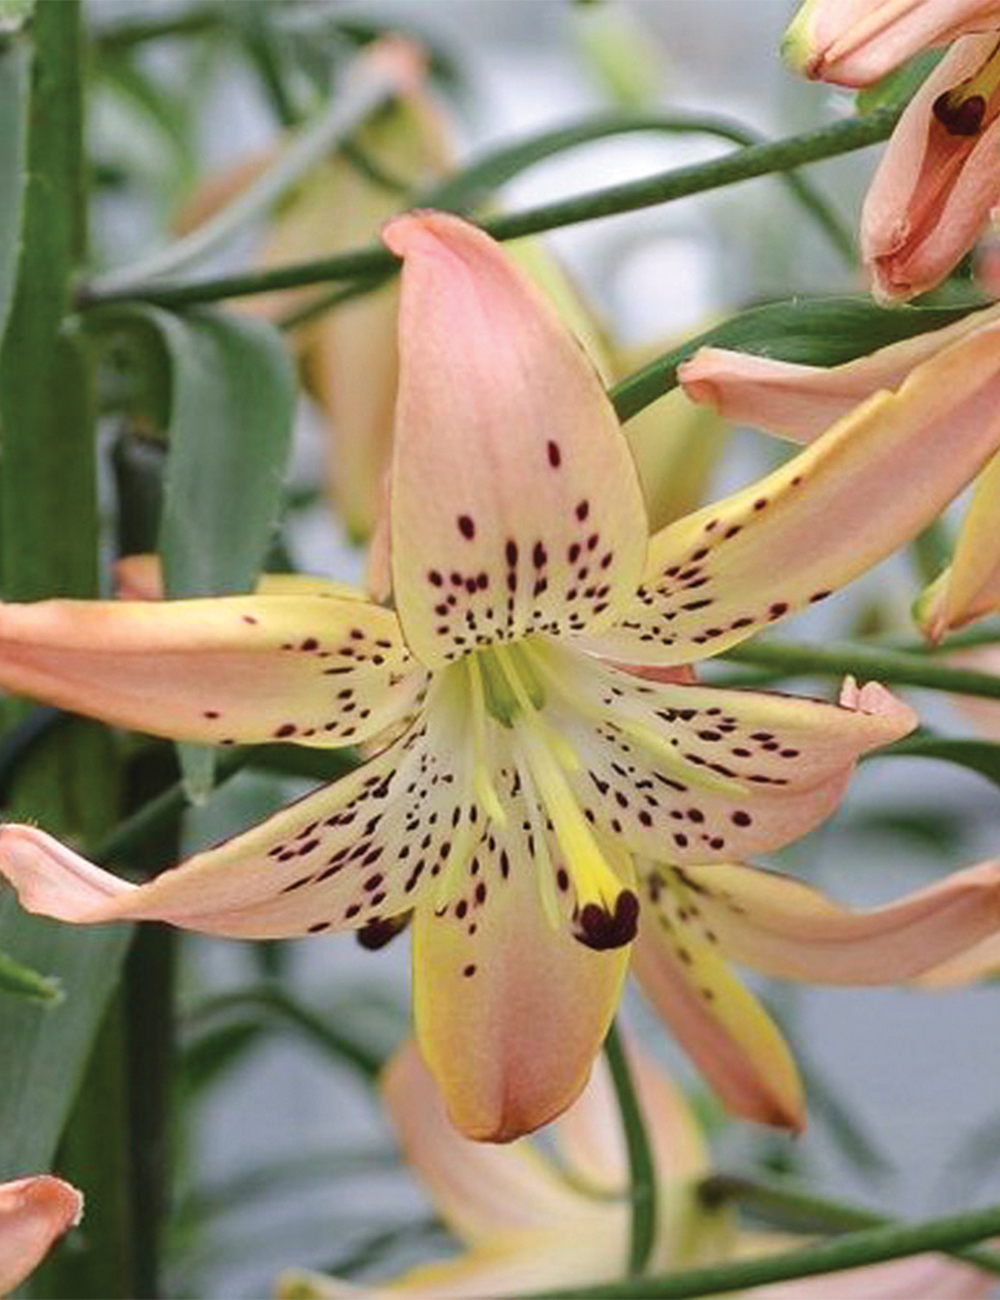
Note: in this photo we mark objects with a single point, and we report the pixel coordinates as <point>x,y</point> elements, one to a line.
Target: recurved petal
<point>481,1190</point>
<point>510,1008</point>
<point>315,669</point>
<point>699,774</point>
<point>719,1023</point>
<point>790,930</point>
<point>970,587</point>
<point>858,42</point>
<point>510,472</point>
<point>800,402</point>
<point>867,485</point>
<point>34,1213</point>
<point>351,855</point>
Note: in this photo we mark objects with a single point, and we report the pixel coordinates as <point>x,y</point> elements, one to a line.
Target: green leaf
<point>230,409</point>
<point>810,331</point>
<point>14,69</point>
<point>45,1045</point>
<point>24,982</point>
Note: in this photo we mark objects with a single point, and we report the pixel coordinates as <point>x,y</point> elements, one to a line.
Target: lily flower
<point>34,1213</point>
<point>858,42</point>
<point>531,1219</point>
<point>531,773</point>
<point>798,401</point>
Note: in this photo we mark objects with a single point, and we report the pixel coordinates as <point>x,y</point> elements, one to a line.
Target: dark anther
<point>961,117</point>
<point>599,929</point>
<point>382,930</point>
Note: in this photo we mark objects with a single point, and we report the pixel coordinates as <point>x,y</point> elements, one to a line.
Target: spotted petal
<point>34,1213</point>
<point>787,929</point>
<point>699,774</point>
<point>719,1023</point>
<point>510,1008</point>
<point>316,669</point>
<point>482,1191</point>
<point>353,854</point>
<point>515,503</point>
<point>867,485</point>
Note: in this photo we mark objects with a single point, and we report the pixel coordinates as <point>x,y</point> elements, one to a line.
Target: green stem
<point>741,164</point>
<point>802,1211</point>
<point>346,111</point>
<point>852,1250</point>
<point>642,1171</point>
<point>896,667</point>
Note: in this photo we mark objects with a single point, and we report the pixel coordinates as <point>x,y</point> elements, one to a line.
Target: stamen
<point>963,109</point>
<point>482,782</point>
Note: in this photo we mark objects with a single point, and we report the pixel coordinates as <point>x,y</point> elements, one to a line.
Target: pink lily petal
<point>510,1008</point>
<point>790,930</point>
<point>701,774</point>
<point>980,962</point>
<point>858,42</point>
<point>935,186</point>
<point>34,1213</point>
<point>482,1191</point>
<point>510,471</point>
<point>801,402</point>
<point>719,1023</point>
<point>353,854</point>
<point>590,1137</point>
<point>316,669</point>
<point>929,1277</point>
<point>868,484</point>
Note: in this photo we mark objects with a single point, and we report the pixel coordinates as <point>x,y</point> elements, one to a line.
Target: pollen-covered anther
<point>599,928</point>
<point>381,930</point>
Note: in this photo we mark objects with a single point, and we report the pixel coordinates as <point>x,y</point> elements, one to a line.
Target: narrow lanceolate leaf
<point>14,62</point>
<point>22,981</point>
<point>229,422</point>
<point>810,331</point>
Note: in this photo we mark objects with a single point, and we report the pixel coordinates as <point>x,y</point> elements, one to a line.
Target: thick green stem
<point>792,1207</point>
<point>895,667</point>
<point>642,1171</point>
<point>373,260</point>
<point>852,1250</point>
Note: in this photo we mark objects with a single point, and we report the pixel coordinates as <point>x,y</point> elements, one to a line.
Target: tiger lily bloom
<point>530,770</point>
<point>531,1220</point>
<point>798,401</point>
<point>858,42</point>
<point>34,1213</point>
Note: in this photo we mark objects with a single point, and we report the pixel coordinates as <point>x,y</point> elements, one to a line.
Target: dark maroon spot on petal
<point>434,578</point>
<point>286,729</point>
<point>583,510</point>
<point>249,618</point>
<point>741,818</point>
<point>732,531</point>
<point>318,927</point>
<point>469,970</point>
<point>210,713</point>
<point>310,643</point>
<point>555,455</point>
<point>539,555</point>
<point>779,608</point>
<point>819,595</point>
<point>466,526</point>
<point>600,929</point>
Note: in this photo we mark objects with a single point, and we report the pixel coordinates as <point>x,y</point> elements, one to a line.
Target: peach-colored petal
<point>483,1191</point>
<point>34,1213</point>
<point>867,485</point>
<point>934,189</point>
<point>510,471</point>
<point>314,668</point>
<point>510,1008</point>
<point>980,962</point>
<point>718,1022</point>
<point>970,587</point>
<point>920,1277</point>
<point>790,930</point>
<point>800,401</point>
<point>858,42</point>
<point>347,856</point>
